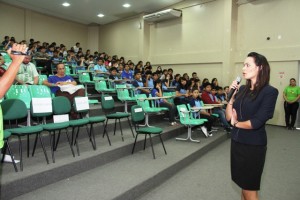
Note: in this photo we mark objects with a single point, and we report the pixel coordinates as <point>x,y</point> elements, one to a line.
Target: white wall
<point>26,24</point>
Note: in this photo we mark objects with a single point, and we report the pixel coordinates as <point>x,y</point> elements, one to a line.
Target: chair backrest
<point>39,91</point>
<point>13,109</point>
<point>19,92</point>
<point>107,102</point>
<point>120,91</point>
<point>61,105</point>
<point>101,85</point>
<point>42,77</point>
<point>137,114</point>
<point>184,114</point>
<point>193,115</point>
<point>84,77</point>
<point>143,103</point>
<point>67,70</point>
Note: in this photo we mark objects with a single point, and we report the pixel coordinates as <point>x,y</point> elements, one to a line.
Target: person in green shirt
<point>8,77</point>
<point>291,95</point>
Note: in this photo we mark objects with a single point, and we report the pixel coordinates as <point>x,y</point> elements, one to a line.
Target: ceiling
<point>86,11</point>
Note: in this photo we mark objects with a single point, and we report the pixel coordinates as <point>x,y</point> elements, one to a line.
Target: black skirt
<point>247,164</point>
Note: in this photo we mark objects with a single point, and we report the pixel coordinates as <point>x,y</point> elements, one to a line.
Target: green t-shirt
<point>292,93</point>
<point>1,129</point>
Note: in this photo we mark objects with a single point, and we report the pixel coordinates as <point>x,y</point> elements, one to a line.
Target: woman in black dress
<point>249,110</point>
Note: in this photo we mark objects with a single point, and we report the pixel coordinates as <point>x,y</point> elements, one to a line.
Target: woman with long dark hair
<point>291,95</point>
<point>249,110</point>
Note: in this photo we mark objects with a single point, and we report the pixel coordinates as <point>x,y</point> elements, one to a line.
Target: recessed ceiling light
<point>66,4</point>
<point>126,5</point>
<point>100,15</point>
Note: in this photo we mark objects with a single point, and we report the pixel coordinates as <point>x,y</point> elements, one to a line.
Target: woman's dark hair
<point>213,80</point>
<point>204,81</point>
<point>177,75</point>
<point>292,79</point>
<point>158,81</point>
<point>183,86</point>
<point>263,76</point>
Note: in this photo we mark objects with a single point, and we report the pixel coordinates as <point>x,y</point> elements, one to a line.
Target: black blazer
<point>258,111</point>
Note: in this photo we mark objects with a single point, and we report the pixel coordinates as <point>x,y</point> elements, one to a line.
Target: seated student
<point>209,98</point>
<point>56,58</point>
<point>90,61</point>
<point>148,78</point>
<point>43,60</point>
<point>27,74</point>
<point>220,94</point>
<point>157,92</point>
<point>81,65</point>
<point>196,102</point>
<point>226,91</point>
<point>100,68</point>
<point>113,76</point>
<point>61,79</point>
<point>166,83</point>
<point>153,78</point>
<point>182,92</point>
<point>126,73</point>
<point>175,82</point>
<point>138,83</point>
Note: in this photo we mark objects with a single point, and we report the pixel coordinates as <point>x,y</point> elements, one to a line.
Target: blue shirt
<point>150,83</point>
<point>126,75</point>
<point>100,68</point>
<point>153,94</point>
<point>55,79</point>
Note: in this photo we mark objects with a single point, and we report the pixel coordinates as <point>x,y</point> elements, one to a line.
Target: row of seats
<point>60,105</point>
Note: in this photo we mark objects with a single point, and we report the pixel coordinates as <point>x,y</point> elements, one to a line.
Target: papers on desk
<point>69,88</point>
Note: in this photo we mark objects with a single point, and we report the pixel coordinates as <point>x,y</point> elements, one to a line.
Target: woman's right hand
<point>235,86</point>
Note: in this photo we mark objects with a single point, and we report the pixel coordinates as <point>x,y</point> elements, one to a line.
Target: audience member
<point>58,82</point>
<point>196,102</point>
<point>76,47</point>
<point>139,83</point>
<point>27,74</point>
<point>182,92</point>
<point>126,74</point>
<point>157,92</point>
<point>175,82</point>
<point>209,98</point>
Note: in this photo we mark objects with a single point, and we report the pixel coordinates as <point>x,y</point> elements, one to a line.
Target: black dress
<point>249,146</point>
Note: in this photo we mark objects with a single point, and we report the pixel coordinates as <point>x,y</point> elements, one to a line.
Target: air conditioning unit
<point>163,15</point>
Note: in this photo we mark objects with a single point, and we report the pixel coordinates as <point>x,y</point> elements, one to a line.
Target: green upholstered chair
<point>138,116</point>
<point>142,101</point>
<point>108,105</point>
<point>124,95</point>
<point>14,109</point>
<point>20,92</point>
<point>6,147</point>
<point>42,77</point>
<point>61,105</point>
<point>102,88</point>
<point>187,120</point>
<point>92,120</point>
